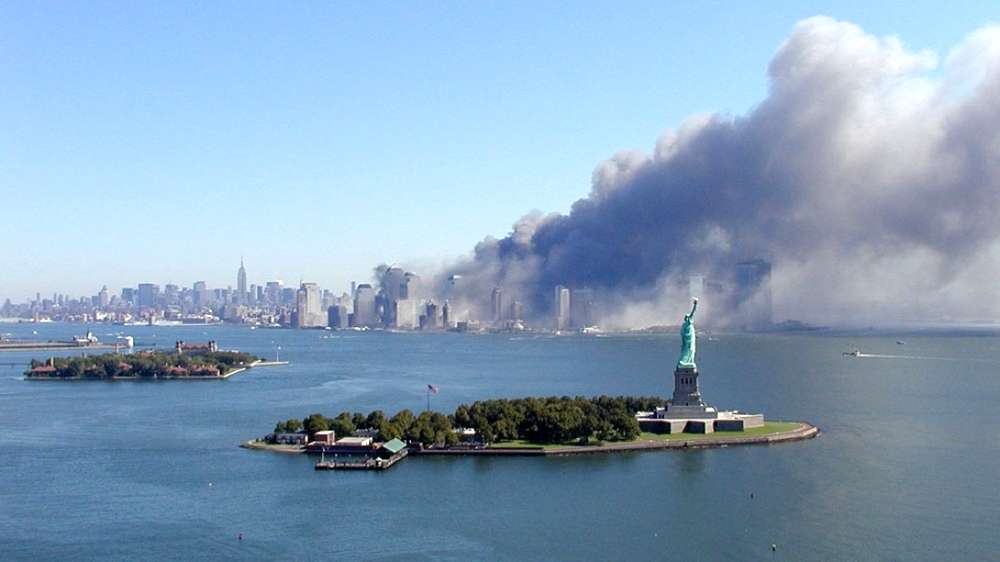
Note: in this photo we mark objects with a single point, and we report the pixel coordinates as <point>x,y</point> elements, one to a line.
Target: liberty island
<point>536,426</point>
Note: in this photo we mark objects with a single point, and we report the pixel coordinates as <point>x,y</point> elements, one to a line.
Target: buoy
<point>240,536</point>
<point>751,495</point>
<point>774,547</point>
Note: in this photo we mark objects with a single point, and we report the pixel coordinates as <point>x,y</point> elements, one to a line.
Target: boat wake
<point>921,357</point>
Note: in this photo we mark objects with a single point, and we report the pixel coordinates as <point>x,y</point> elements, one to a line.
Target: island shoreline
<point>804,431</point>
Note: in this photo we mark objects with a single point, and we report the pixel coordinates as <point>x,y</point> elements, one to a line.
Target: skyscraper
<point>496,305</point>
<point>309,305</point>
<point>149,293</point>
<point>365,313</point>
<point>562,312</point>
<point>241,284</point>
<point>273,292</point>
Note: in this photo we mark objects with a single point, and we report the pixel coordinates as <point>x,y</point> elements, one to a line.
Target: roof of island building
<point>394,446</point>
<point>354,441</point>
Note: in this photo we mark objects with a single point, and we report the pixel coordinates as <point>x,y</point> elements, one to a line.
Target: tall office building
<point>753,294</point>
<point>103,297</point>
<point>171,294</point>
<point>562,311</point>
<point>337,317</point>
<point>309,304</point>
<point>241,284</point>
<point>272,292</point>
<point>446,315</point>
<point>496,305</point>
<point>392,283</point>
<point>405,314</point>
<point>410,288</point>
<point>149,293</point>
<point>365,312</point>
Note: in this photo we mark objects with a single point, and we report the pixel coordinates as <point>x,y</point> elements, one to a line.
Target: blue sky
<point>161,141</point>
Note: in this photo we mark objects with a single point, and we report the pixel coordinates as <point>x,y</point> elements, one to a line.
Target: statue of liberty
<point>686,360</point>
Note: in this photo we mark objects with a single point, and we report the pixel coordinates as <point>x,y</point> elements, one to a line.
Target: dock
<point>376,463</point>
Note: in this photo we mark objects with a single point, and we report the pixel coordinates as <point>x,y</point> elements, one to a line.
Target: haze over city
<point>856,157</point>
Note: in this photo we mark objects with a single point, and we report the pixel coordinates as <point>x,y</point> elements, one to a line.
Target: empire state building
<point>241,284</point>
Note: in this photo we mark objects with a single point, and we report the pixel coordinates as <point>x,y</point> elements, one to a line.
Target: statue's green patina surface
<point>686,360</point>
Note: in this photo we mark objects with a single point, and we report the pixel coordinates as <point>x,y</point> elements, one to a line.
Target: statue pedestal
<point>686,387</point>
<point>687,402</point>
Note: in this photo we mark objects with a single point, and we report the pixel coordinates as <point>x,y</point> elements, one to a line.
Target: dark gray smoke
<point>869,177</point>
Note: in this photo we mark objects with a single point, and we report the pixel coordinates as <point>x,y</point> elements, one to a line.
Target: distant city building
<point>149,294</point>
<point>365,311</point>
<point>410,288</point>
<point>272,292</point>
<point>397,286</point>
<point>392,283</point>
<point>446,316</point>
<point>309,305</point>
<point>406,314</point>
<point>561,308</point>
<point>171,295</point>
<point>128,295</point>
<point>103,298</point>
<point>337,317</point>
<point>429,319</point>
<point>753,294</point>
<point>496,305</point>
<point>241,284</point>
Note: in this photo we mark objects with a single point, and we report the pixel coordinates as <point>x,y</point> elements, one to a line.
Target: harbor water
<point>905,469</point>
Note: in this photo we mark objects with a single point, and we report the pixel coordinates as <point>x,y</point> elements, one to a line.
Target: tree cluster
<point>556,419</point>
<point>429,428</point>
<point>541,420</point>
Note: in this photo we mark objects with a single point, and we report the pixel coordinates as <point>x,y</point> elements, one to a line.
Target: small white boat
<point>854,353</point>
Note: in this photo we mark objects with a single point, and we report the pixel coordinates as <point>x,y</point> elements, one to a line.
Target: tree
<point>375,419</point>
<point>342,424</point>
<point>403,420</point>
<point>314,423</point>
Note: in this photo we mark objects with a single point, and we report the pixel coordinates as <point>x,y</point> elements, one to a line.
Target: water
<point>905,469</point>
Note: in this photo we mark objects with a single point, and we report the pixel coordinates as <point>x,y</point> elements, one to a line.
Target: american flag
<point>432,389</point>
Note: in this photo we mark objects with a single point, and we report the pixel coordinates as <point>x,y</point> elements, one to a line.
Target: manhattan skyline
<point>320,153</point>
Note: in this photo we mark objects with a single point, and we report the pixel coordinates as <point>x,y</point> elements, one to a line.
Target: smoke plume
<point>869,177</point>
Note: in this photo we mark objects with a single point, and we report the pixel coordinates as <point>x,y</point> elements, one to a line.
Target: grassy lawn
<point>769,428</point>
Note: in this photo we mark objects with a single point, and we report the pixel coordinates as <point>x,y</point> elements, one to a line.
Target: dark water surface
<point>906,469</point>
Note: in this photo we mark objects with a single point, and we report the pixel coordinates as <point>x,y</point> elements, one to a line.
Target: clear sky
<point>160,141</point>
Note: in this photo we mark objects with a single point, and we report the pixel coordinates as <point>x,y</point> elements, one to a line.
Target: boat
<point>854,353</point>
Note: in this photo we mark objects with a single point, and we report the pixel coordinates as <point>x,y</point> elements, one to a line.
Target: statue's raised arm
<point>686,359</point>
